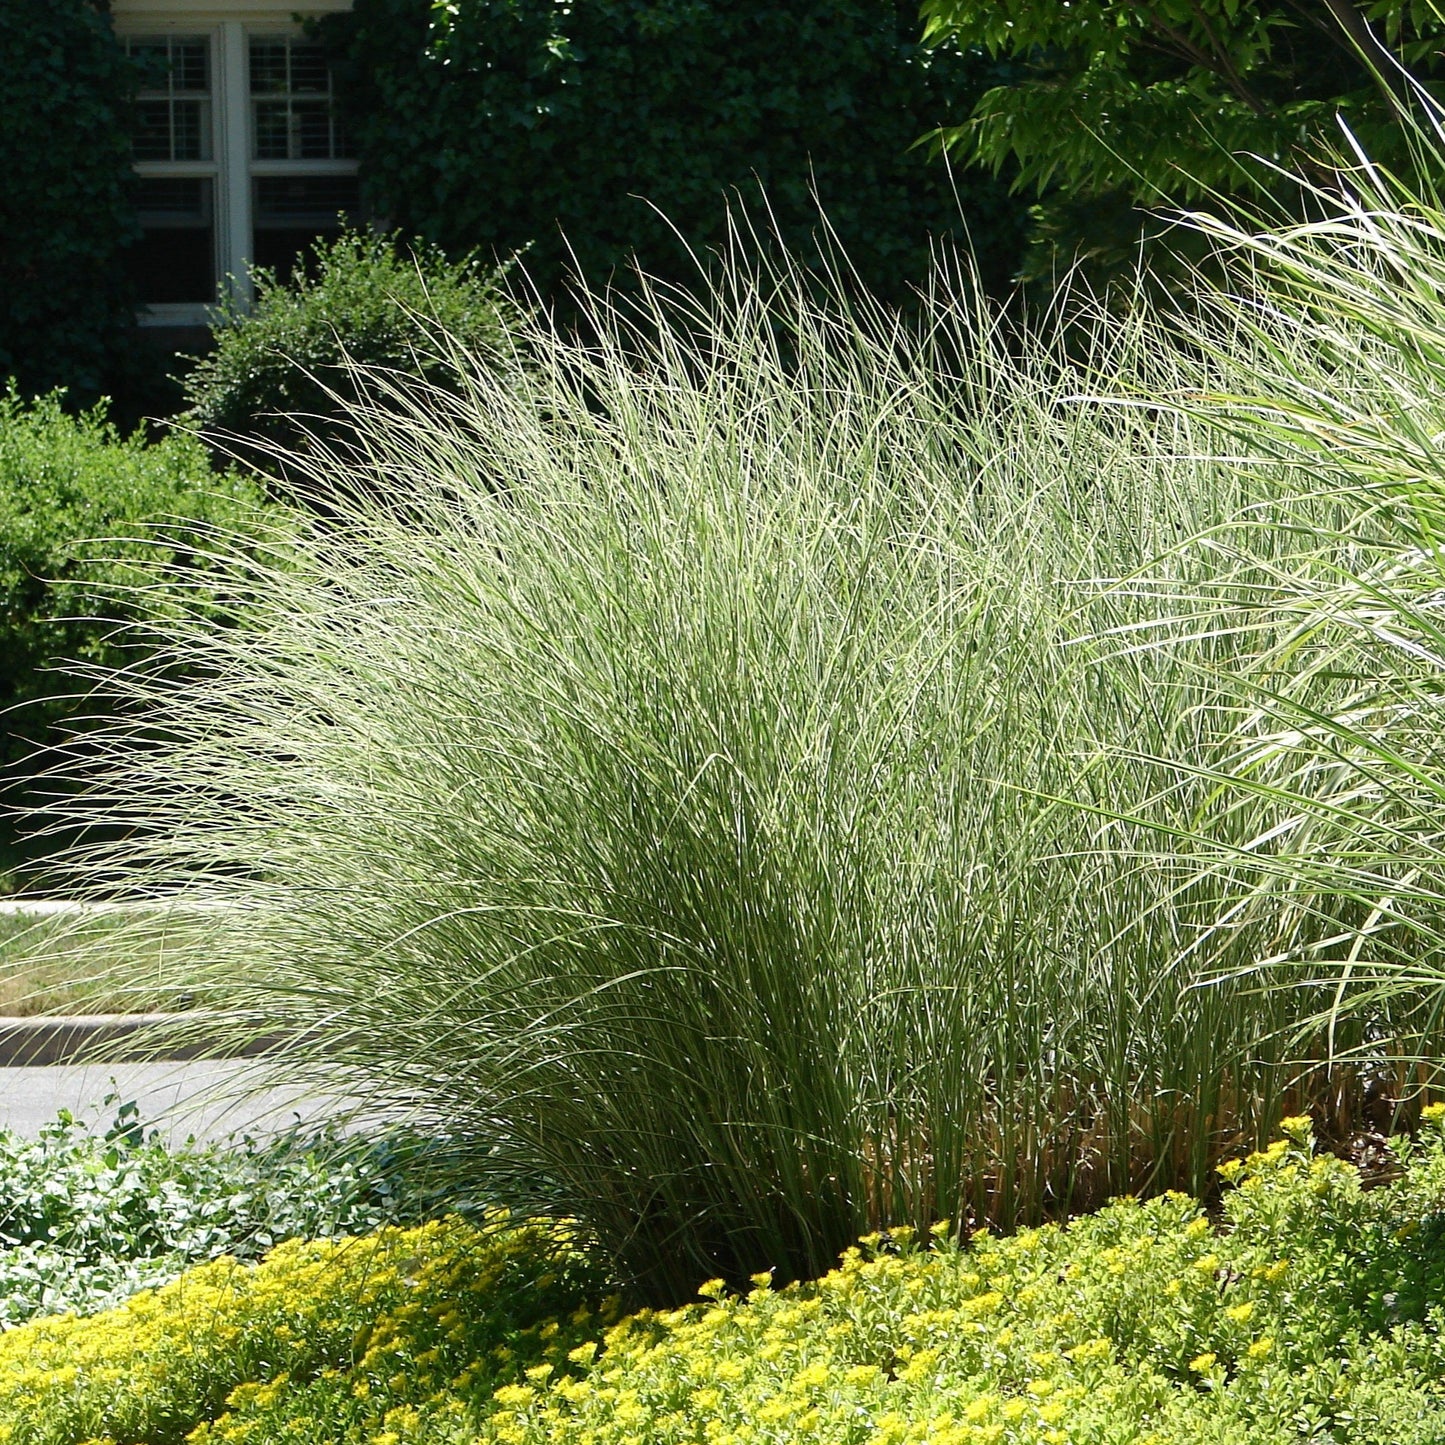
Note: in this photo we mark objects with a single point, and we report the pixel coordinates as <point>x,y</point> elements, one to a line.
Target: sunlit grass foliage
<point>748,779</point>
<point>1329,349</point>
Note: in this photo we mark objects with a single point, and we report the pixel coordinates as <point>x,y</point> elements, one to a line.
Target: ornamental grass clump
<point>720,784</point>
<point>1357,768</point>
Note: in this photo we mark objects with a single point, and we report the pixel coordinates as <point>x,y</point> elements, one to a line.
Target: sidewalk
<point>208,1098</point>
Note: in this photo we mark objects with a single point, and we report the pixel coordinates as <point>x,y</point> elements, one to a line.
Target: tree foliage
<point>1168,101</point>
<point>64,213</point>
<point>593,133</point>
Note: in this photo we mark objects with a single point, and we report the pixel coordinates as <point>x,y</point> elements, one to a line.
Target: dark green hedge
<point>65,304</point>
<point>492,124</point>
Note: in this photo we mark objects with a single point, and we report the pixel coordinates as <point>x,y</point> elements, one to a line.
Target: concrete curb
<point>117,1038</point>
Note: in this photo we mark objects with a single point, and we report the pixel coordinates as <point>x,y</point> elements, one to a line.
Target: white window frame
<point>229,31</point>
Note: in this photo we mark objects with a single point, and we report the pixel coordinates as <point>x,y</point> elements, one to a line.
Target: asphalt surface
<point>210,1099</point>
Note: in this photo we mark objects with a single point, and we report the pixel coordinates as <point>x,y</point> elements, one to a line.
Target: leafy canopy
<point>1150,101</point>
<point>65,216</point>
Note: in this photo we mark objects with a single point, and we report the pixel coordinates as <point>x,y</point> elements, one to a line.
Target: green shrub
<point>281,369</point>
<point>498,124</point>
<point>65,300</point>
<point>98,533</point>
<point>1311,1310</point>
<point>704,799</point>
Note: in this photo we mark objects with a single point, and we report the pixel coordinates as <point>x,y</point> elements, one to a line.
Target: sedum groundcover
<point>1309,1309</point>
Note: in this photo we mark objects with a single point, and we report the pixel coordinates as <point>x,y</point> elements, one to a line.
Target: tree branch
<point>1352,32</point>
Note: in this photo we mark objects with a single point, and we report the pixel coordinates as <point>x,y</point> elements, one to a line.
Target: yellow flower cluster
<point>899,1346</point>
<point>1144,1322</point>
<point>344,1332</point>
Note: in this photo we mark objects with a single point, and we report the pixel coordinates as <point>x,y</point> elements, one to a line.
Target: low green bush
<point>89,1217</point>
<point>99,534</point>
<point>281,370</point>
<point>1311,1308</point>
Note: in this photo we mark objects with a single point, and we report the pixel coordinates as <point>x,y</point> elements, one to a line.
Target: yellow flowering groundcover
<point>1308,1309</point>
<point>332,1336</point>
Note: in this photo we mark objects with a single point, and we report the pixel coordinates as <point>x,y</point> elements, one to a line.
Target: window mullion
<point>236,140</point>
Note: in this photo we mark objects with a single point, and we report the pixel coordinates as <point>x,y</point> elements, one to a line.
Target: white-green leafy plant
<point>724,781</point>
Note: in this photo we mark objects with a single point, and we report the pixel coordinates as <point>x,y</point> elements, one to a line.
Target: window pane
<point>151,131</point>
<point>171,121</point>
<point>309,73</point>
<point>313,200</point>
<point>188,66</point>
<point>190,127</point>
<point>173,200</point>
<point>291,211</point>
<point>292,108</point>
<point>175,258</point>
<point>272,131</point>
<point>268,67</point>
<point>312,119</point>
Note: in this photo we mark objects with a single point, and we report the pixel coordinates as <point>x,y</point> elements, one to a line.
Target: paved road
<point>180,1099</point>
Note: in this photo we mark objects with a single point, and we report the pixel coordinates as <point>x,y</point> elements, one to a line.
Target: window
<point>291,103</point>
<point>173,142</point>
<point>240,158</point>
<point>290,211</point>
<point>173,109</point>
<point>296,141</point>
<point>175,260</point>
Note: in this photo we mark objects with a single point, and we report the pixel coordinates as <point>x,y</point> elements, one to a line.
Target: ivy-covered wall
<point>65,306</point>
<point>499,123</point>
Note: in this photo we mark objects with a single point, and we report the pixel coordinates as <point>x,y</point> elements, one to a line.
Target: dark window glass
<point>309,72</point>
<point>268,67</point>
<point>151,131</point>
<point>312,119</point>
<point>273,131</point>
<point>175,259</point>
<point>171,120</point>
<point>292,211</point>
<point>188,127</point>
<point>291,104</point>
<point>190,66</point>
